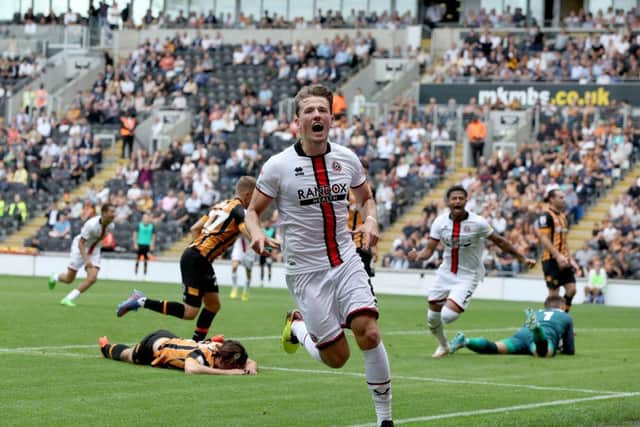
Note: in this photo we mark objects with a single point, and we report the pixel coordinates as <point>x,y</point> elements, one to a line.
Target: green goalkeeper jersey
<point>557,325</point>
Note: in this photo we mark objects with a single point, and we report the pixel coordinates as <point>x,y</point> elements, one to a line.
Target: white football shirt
<point>463,243</point>
<point>93,232</point>
<point>311,194</point>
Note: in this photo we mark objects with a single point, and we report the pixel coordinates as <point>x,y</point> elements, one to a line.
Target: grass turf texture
<point>52,372</point>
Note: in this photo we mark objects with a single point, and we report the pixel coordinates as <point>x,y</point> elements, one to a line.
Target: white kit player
<point>310,183</point>
<point>241,254</point>
<point>85,252</point>
<point>462,234</point>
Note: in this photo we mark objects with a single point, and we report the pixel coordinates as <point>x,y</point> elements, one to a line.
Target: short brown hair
<point>233,354</point>
<point>314,90</point>
<point>245,183</point>
<point>106,206</point>
<point>554,301</point>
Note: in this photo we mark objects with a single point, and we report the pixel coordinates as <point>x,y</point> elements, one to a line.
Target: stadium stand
<point>584,148</point>
<point>229,111</point>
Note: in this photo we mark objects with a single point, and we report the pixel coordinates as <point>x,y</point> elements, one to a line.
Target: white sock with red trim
<point>434,320</point>
<point>299,329</point>
<point>378,374</point>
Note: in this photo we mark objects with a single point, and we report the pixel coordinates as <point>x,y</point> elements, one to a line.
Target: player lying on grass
<point>163,349</point>
<point>541,335</point>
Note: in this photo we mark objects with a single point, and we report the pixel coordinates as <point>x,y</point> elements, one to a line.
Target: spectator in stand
<point>18,209</point>
<point>113,16</point>
<point>52,215</point>
<point>358,102</point>
<point>128,132</point>
<point>180,216</point>
<point>339,105</point>
<point>597,282</point>
<point>477,134</point>
<point>193,205</point>
<point>122,212</point>
<point>62,227</point>
<point>169,201</point>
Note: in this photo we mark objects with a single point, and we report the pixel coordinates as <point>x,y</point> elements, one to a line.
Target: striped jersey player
<point>462,234</point>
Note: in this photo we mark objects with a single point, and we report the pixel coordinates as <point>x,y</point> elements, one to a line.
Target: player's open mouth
<point>317,127</point>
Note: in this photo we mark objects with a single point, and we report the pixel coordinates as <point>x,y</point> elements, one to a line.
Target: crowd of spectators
<point>41,157</point>
<point>572,151</point>
<point>116,16</point>
<point>509,18</point>
<point>516,17</point>
<point>616,239</point>
<point>179,72</point>
<point>175,185</point>
<point>603,57</point>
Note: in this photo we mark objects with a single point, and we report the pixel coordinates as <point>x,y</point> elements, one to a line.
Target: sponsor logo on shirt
<point>298,171</point>
<point>324,193</point>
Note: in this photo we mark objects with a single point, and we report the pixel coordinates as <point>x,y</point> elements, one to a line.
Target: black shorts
<point>143,351</point>
<point>265,260</point>
<point>366,258</point>
<point>198,277</point>
<point>143,250</point>
<point>555,276</point>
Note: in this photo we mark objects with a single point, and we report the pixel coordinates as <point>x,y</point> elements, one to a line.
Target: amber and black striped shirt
<point>175,351</point>
<point>355,219</point>
<point>224,223</point>
<point>555,226</point>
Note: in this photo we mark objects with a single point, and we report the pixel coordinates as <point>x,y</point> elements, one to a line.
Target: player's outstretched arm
<point>251,367</point>
<point>192,367</point>
<point>563,262</point>
<point>369,228</point>
<point>426,253</point>
<point>506,246</point>
<point>259,203</point>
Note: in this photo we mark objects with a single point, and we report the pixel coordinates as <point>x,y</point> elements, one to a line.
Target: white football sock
<point>72,295</point>
<point>378,374</point>
<point>299,329</point>
<point>234,278</point>
<point>449,315</point>
<point>435,326</point>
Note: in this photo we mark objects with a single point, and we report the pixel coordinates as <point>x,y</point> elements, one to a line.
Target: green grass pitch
<point>52,373</point>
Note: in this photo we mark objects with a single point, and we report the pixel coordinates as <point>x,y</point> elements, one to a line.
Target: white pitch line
<point>277,337</point>
<point>39,353</point>
<point>441,380</point>
<point>46,351</point>
<point>506,409</point>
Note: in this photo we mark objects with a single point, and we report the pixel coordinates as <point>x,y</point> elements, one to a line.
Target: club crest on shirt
<point>336,166</point>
